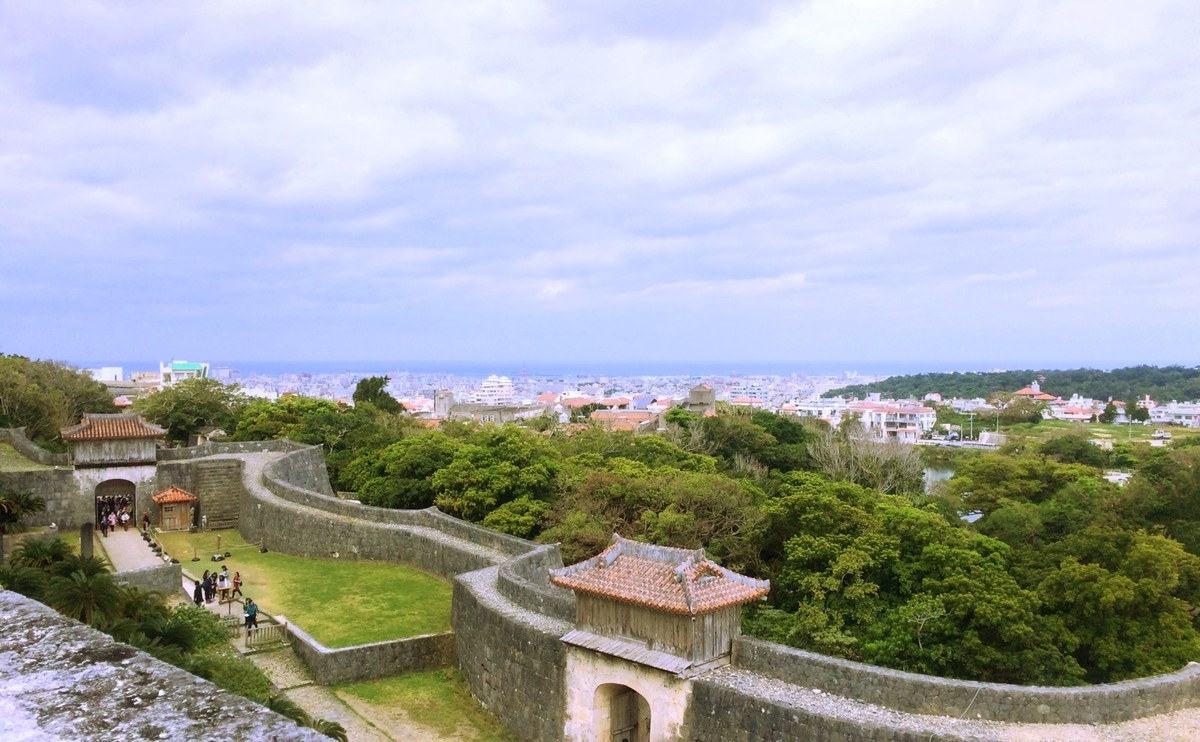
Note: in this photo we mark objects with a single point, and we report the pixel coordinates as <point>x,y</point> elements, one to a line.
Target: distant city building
<point>495,390</point>
<point>108,373</point>
<point>176,371</point>
<point>1186,414</point>
<point>898,421</point>
<point>702,398</point>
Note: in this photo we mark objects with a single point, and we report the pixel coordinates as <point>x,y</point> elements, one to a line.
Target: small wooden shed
<point>174,508</point>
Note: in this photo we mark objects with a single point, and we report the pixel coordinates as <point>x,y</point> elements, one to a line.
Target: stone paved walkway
<point>127,551</point>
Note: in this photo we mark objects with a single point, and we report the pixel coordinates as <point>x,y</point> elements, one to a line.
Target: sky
<point>918,182</point>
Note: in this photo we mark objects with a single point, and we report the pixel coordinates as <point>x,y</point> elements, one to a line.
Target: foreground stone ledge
<point>60,680</point>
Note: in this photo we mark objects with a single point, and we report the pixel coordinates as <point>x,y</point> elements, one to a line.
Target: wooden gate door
<point>625,717</point>
<point>170,518</point>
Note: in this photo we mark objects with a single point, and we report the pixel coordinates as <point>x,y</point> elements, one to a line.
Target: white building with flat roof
<point>174,372</point>
<point>906,423</point>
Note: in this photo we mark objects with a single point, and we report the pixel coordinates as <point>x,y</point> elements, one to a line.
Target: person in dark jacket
<point>197,593</point>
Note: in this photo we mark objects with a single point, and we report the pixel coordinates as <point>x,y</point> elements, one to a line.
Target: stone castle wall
<point>371,661</point>
<point>508,619</point>
<point>15,437</point>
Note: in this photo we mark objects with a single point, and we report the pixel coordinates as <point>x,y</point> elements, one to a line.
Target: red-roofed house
<point>1034,392</point>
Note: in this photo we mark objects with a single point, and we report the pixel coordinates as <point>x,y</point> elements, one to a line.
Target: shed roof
<point>96,427</point>
<point>173,494</point>
<point>678,581</point>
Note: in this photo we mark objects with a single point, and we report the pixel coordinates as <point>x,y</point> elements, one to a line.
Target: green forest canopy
<point>1163,384</point>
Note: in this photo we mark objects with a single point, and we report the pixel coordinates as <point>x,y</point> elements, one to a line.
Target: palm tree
<point>92,565</point>
<point>139,604</point>
<point>284,706</point>
<point>171,632</point>
<point>27,581</point>
<point>92,599</point>
<point>40,552</point>
<point>15,507</point>
<point>330,729</point>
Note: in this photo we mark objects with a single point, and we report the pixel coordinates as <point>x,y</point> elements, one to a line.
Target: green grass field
<point>1115,433</point>
<point>340,603</point>
<point>11,460</point>
<point>438,699</point>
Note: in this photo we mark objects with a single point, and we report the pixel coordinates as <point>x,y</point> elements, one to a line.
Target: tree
<point>193,404</point>
<point>1137,412</point>
<point>401,475</point>
<point>44,396</point>
<point>1109,414</point>
<point>92,599</point>
<point>372,389</point>
<point>15,507</point>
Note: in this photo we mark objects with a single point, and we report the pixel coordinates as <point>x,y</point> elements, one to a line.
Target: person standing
<point>112,521</point>
<point>197,593</point>
<point>222,586</point>
<point>145,520</point>
<point>237,585</point>
<point>251,611</point>
<point>124,520</point>
<point>104,526</point>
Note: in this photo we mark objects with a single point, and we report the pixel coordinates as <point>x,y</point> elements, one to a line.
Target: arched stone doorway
<point>115,494</point>
<point>620,714</point>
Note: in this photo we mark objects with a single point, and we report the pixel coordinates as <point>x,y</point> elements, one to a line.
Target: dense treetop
<point>1163,384</point>
<point>44,396</point>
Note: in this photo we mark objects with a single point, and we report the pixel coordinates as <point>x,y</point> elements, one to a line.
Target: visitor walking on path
<point>198,594</point>
<point>145,520</point>
<point>237,585</point>
<point>251,612</point>
<point>104,526</point>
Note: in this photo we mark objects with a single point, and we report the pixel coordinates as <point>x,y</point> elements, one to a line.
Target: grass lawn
<point>438,699</point>
<point>11,460</point>
<point>340,603</point>
<point>1099,431</point>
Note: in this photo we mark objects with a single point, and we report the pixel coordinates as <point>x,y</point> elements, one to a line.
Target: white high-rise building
<point>495,391</point>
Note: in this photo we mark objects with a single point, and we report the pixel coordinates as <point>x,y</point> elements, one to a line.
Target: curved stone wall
<point>508,619</point>
<point>926,694</point>
<point>15,437</point>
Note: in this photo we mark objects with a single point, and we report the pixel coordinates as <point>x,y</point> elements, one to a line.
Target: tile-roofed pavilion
<point>657,605</point>
<point>113,440</point>
<point>97,427</point>
<point>173,494</point>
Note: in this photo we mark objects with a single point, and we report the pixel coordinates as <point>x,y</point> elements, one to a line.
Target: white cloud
<point>854,163</point>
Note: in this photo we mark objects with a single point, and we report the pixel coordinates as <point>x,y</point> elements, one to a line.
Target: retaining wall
<point>525,580</point>
<point>15,437</point>
<point>512,660</point>
<point>166,577</point>
<point>214,449</point>
<point>307,522</point>
<point>57,487</point>
<point>925,694</point>
<point>371,661</point>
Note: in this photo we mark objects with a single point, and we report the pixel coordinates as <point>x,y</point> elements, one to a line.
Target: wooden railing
<point>265,635</point>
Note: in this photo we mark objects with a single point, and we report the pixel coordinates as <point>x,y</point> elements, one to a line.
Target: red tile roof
<point>111,427</point>
<point>173,494</point>
<point>678,581</point>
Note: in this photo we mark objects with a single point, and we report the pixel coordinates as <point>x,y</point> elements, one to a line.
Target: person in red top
<point>237,585</point>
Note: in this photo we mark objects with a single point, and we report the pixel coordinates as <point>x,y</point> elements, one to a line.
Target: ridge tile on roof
<point>662,578</point>
<point>97,427</point>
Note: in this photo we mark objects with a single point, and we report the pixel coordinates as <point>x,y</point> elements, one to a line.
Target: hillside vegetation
<point>1161,383</point>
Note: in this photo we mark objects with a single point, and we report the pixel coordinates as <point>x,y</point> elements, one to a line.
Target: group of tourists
<point>111,511</point>
<point>221,587</point>
<point>216,585</point>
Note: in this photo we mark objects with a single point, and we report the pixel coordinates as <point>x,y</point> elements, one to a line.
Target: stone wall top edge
<point>1187,672</point>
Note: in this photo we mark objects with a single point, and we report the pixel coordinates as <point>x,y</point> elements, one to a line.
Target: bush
<point>205,624</point>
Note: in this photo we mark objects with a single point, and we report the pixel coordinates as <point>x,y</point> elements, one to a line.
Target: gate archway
<point>115,493</point>
<point>621,714</point>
